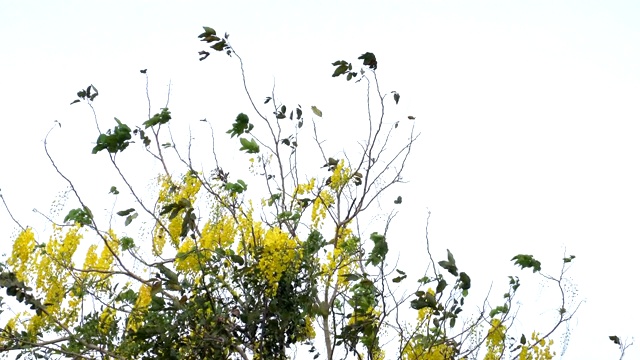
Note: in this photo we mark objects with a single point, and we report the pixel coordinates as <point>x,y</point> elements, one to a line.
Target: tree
<point>210,275</point>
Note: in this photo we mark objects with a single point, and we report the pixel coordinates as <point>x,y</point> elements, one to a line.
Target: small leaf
<point>126,243</point>
<point>615,339</point>
<point>219,46</point>
<point>250,146</point>
<point>209,30</point>
<point>411,117</point>
<point>396,97</point>
<point>130,219</point>
<point>143,71</point>
<point>351,277</point>
<point>237,259</point>
<point>369,59</point>
<point>465,281</point>
<point>341,69</point>
<point>527,261</point>
<point>316,111</point>
<point>240,126</point>
<point>398,200</point>
<point>125,212</point>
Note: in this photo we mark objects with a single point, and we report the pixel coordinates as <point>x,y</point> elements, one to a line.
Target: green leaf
<point>237,259</point>
<point>250,146</point>
<point>396,97</point>
<point>523,339</point>
<point>527,261</point>
<point>237,187</point>
<point>465,281</point>
<point>240,126</point>
<point>114,140</point>
<point>130,219</point>
<point>379,251</point>
<point>161,118</point>
<point>114,191</point>
<point>569,259</point>
<point>615,339</point>
<point>442,284</point>
<point>341,69</point>
<point>398,200</point>
<point>273,199</point>
<point>126,243</point>
<point>450,257</point>
<point>168,273</point>
<point>351,277</point>
<point>80,216</point>
<point>399,278</point>
<point>125,212</point>
<point>449,265</point>
<point>499,310</point>
<point>209,30</point>
<point>220,45</point>
<point>419,303</point>
<point>316,111</point>
<point>369,60</point>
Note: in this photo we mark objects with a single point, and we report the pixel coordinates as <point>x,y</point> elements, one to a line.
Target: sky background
<point>528,113</point>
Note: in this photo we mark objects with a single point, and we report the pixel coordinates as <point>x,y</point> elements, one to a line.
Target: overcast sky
<point>528,113</point>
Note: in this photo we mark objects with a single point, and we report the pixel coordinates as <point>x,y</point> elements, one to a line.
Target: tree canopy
<point>269,264</point>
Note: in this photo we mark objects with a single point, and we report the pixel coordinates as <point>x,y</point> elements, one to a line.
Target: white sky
<point>528,112</point>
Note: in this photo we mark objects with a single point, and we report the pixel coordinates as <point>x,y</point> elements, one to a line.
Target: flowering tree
<point>211,274</point>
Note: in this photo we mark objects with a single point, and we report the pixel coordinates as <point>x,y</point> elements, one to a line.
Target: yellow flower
<point>139,308</point>
<point>319,208</point>
<point>23,247</point>
<point>278,255</point>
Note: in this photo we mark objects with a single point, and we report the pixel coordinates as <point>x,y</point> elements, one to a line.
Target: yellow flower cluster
<point>340,176</point>
<point>251,232</point>
<point>303,189</point>
<point>170,193</point>
<point>23,247</point>
<point>416,351</point>
<point>101,264</point>
<point>319,208</point>
<point>339,261</point>
<point>188,263</point>
<point>278,255</point>
<point>220,233</point>
<point>540,351</point>
<point>140,308</point>
<point>495,340</point>
<point>49,270</point>
<point>107,317</point>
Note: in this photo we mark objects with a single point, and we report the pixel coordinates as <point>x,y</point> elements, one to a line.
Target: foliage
<point>215,277</point>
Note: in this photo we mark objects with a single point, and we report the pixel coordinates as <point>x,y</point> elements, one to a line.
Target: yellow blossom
<point>23,247</point>
<point>140,308</point>
<point>278,255</point>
